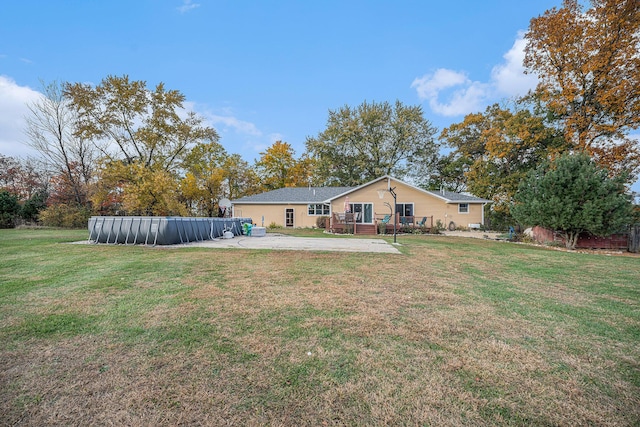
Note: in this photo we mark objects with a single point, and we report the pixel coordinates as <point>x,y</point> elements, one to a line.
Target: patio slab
<point>284,242</point>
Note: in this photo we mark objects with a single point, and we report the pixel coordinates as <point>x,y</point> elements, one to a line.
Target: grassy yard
<point>452,332</point>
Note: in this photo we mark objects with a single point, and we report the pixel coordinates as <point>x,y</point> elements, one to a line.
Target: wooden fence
<point>634,238</point>
<point>629,241</point>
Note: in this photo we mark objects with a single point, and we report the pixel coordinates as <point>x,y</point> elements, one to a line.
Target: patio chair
<point>422,222</point>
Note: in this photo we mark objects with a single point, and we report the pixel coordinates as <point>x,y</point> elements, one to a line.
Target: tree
<point>51,131</point>
<point>134,189</point>
<point>9,209</point>
<point>371,140</point>
<point>143,135</point>
<point>497,148</point>
<point>573,195</point>
<point>278,168</point>
<point>142,126</point>
<point>589,69</point>
<point>201,187</point>
<point>23,177</point>
<point>34,205</point>
<point>447,173</point>
<point>240,178</point>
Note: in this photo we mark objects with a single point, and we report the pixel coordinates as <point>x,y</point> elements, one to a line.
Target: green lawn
<point>452,332</point>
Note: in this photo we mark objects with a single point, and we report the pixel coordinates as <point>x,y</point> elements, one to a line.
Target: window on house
<point>318,209</point>
<point>463,208</point>
<point>404,209</point>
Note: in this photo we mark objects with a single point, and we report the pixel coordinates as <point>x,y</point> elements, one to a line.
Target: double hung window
<point>318,209</point>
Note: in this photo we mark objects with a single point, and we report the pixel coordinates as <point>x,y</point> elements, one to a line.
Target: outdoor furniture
<point>422,222</point>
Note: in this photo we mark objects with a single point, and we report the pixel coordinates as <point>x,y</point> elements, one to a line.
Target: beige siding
<point>424,204</point>
<point>275,214</point>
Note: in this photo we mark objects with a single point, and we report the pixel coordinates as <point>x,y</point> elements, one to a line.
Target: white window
<point>318,209</point>
<point>463,208</point>
<point>363,212</point>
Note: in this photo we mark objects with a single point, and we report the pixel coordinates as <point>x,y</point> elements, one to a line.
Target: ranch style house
<point>364,208</point>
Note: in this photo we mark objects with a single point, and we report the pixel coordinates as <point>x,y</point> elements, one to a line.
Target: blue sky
<point>261,71</point>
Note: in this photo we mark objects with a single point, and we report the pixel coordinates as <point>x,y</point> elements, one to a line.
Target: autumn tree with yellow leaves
<point>279,168</point>
<point>143,136</point>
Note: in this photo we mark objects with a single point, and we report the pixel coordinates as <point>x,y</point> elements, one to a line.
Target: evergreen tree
<point>36,203</point>
<point>9,209</point>
<point>573,195</point>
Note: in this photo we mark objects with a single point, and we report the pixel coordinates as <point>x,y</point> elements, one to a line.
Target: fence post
<point>634,238</point>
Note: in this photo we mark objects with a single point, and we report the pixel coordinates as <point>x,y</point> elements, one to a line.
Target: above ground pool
<point>160,230</point>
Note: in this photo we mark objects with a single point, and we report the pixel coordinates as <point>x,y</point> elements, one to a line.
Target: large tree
<point>202,185</point>
<point>497,148</point>
<point>371,140</point>
<point>573,195</point>
<point>136,124</point>
<point>278,167</point>
<point>143,135</point>
<point>240,179</point>
<point>588,63</point>
<point>51,131</point>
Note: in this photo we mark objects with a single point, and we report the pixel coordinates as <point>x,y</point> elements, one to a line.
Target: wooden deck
<point>347,223</point>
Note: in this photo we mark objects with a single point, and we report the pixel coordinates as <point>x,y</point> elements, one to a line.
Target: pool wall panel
<point>149,230</point>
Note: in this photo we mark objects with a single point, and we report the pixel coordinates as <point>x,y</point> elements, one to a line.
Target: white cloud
<point>428,86</point>
<point>187,5</point>
<point>230,122</point>
<point>222,122</point>
<point>469,95</point>
<point>236,135</point>
<point>452,93</point>
<point>509,78</point>
<point>13,109</point>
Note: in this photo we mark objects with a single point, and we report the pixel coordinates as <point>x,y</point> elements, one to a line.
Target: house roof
<point>304,195</point>
<point>452,197</point>
<point>307,195</point>
<point>446,196</point>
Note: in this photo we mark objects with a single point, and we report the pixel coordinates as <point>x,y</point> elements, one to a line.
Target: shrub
<point>382,228</point>
<point>321,221</point>
<point>66,216</point>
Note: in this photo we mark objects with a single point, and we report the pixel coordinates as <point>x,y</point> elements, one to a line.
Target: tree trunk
<point>571,239</point>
